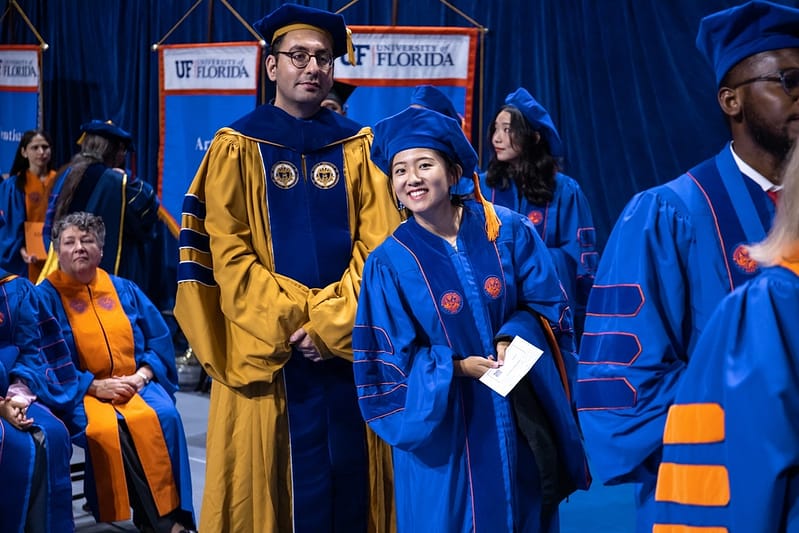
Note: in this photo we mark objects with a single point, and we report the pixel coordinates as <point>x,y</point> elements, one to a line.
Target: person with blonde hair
<point>732,429</point>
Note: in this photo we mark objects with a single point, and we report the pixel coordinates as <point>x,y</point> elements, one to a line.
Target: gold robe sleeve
<point>239,328</point>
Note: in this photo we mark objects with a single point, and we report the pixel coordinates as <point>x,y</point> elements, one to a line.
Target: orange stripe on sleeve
<point>679,528</point>
<point>694,423</point>
<point>705,485</point>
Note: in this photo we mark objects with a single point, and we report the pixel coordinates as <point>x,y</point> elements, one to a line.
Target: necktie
<point>774,195</point>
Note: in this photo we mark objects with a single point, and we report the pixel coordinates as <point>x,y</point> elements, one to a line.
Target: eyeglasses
<point>300,59</point>
<point>788,78</point>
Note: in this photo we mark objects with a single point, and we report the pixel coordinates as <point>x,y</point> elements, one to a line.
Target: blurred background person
<point>136,452</point>
<point>96,181</point>
<point>23,205</point>
<point>524,175</point>
<point>336,99</point>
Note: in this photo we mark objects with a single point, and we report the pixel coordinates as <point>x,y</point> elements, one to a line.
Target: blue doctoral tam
<point>419,127</point>
<point>432,98</point>
<point>729,36</point>
<point>293,17</point>
<point>107,129</point>
<point>537,116</point>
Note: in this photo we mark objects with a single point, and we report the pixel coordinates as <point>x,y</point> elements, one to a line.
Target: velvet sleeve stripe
<point>617,348</point>
<point>694,423</point>
<point>195,240</point>
<point>193,206</point>
<point>371,339</point>
<point>191,271</point>
<point>586,237</point>
<point>624,300</point>
<point>605,393</point>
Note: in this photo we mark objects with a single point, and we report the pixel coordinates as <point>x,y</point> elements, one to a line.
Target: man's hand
<point>304,344</point>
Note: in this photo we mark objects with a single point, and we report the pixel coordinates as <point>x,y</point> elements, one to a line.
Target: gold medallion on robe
<point>284,174</point>
<point>324,175</point>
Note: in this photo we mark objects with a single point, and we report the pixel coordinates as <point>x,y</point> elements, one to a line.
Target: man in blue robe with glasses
<point>677,249</point>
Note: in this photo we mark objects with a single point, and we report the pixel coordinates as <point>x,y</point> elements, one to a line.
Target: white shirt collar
<point>753,174</point>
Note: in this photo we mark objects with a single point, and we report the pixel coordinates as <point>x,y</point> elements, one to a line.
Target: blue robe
<point>130,218</point>
<point>567,228</point>
<point>152,346</point>
<point>743,384</point>
<point>12,228</point>
<point>32,349</point>
<point>455,441</point>
<point>674,253</point>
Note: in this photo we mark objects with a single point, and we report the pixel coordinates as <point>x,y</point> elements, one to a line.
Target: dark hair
<point>93,149</point>
<point>84,221</point>
<point>20,165</point>
<point>534,171</point>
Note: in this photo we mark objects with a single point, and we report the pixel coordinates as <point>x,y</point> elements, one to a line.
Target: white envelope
<point>520,356</point>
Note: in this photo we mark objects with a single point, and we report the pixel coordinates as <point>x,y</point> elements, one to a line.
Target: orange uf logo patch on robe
<point>451,302</point>
<point>77,305</point>
<point>493,287</point>
<point>741,258</point>
<point>2,318</point>
<point>535,216</point>
<point>106,302</point>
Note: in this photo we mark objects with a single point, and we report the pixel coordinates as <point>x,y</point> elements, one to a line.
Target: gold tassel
<point>350,49</point>
<point>492,220</point>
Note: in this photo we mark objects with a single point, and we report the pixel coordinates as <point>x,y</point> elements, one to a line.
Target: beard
<point>774,140</point>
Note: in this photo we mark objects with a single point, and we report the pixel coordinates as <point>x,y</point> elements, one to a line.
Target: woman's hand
<point>474,366</point>
<point>27,258</point>
<point>15,412</point>
<point>114,390</point>
<point>501,347</point>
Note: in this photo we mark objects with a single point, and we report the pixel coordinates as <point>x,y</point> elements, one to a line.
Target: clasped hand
<point>117,389</point>
<point>16,412</point>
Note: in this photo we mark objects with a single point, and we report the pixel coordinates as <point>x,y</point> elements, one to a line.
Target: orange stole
<point>791,265</point>
<point>104,340</point>
<point>37,194</point>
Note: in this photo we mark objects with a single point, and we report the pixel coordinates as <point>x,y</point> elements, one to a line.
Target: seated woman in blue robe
<point>731,441</point>
<point>37,383</point>
<point>440,300</point>
<point>126,418</point>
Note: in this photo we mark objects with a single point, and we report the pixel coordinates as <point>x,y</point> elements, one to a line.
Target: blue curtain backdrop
<point>633,99</point>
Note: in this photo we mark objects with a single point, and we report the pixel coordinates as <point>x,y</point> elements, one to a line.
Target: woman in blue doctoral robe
<point>524,175</point>
<point>435,308</point>
<point>36,373</point>
<point>114,333</point>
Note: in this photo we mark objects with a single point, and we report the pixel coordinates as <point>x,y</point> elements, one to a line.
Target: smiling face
<point>79,253</point>
<point>38,153</point>
<point>300,91</point>
<point>421,180</point>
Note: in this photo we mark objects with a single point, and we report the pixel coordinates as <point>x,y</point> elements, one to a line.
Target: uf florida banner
<point>202,87</point>
<point>20,89</point>
<point>390,61</point>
